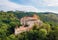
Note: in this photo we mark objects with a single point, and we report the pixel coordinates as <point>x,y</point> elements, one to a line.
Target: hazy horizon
<point>30,5</point>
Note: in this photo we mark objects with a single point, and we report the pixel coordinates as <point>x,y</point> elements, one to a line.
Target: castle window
<point>26,25</point>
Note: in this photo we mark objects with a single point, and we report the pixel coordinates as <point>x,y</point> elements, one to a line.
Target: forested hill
<point>10,19</point>
<point>49,17</point>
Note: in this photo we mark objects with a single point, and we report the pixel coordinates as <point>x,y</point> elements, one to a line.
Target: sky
<point>30,5</point>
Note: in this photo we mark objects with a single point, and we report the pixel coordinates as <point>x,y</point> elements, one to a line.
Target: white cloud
<point>42,5</point>
<point>7,5</point>
<point>51,2</point>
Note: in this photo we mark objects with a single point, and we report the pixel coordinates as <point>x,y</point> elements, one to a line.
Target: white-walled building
<point>30,21</point>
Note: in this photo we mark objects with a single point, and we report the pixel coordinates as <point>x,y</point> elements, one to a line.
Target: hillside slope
<point>48,17</point>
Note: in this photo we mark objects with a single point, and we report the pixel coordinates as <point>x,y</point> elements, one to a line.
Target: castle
<point>28,23</point>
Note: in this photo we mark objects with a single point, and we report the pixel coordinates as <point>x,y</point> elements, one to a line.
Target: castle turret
<point>35,16</point>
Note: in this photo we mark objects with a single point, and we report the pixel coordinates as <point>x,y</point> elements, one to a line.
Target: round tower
<point>35,16</point>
